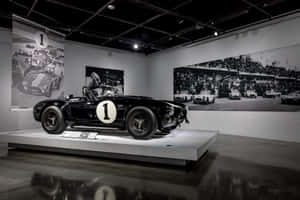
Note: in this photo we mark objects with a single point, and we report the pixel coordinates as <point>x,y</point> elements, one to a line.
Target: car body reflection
<point>213,178</point>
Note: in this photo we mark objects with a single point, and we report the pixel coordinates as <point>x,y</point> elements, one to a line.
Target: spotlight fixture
<point>111,7</point>
<point>135,46</point>
<point>180,21</point>
<point>216,33</point>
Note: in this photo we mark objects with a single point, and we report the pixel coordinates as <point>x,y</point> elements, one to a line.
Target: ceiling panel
<point>106,26</point>
<point>126,10</point>
<point>170,22</point>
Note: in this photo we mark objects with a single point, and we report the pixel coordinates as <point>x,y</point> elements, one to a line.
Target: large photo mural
<point>263,81</point>
<point>37,65</point>
<point>104,82</point>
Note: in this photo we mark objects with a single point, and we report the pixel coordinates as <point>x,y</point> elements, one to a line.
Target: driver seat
<point>89,94</point>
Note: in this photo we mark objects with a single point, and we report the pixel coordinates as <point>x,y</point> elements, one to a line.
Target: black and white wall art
<point>263,81</point>
<point>37,64</point>
<point>104,81</point>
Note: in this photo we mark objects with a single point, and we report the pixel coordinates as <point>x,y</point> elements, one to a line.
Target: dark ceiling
<point>153,24</point>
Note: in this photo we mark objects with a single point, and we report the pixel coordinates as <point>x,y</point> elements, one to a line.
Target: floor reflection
<point>215,177</point>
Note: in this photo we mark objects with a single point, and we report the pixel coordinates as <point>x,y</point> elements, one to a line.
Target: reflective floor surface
<point>35,175</point>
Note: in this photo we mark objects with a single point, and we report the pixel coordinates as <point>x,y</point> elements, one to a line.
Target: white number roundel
<point>105,193</point>
<point>106,112</point>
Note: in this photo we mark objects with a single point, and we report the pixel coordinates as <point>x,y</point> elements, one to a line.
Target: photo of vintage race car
<point>234,94</point>
<point>250,94</point>
<point>271,94</point>
<point>204,97</point>
<point>183,97</point>
<point>141,116</point>
<point>291,98</point>
<point>40,83</point>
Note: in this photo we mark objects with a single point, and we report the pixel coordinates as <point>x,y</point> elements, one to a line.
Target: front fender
<point>41,106</point>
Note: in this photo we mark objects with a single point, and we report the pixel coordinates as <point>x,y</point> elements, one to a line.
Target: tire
<point>52,120</point>
<point>141,122</point>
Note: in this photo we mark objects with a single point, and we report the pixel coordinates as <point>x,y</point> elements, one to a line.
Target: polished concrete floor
<point>234,168</point>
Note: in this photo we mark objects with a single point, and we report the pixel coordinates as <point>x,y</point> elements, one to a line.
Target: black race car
<point>141,116</point>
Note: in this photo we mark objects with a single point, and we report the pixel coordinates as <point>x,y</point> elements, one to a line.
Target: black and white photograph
<point>37,65</point>
<point>263,81</point>
<point>104,81</point>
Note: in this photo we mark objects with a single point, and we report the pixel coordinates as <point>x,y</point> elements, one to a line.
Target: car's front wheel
<point>53,120</point>
<point>141,122</point>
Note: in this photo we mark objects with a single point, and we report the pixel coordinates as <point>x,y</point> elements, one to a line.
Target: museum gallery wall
<point>263,81</point>
<point>37,64</point>
<point>264,40</point>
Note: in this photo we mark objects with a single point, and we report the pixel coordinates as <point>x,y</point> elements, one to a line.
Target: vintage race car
<point>271,94</point>
<point>141,116</point>
<point>291,98</point>
<point>182,97</point>
<point>250,94</point>
<point>205,96</point>
<point>41,83</point>
<point>235,94</point>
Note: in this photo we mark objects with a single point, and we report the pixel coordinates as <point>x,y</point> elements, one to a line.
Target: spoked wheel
<point>53,120</point>
<point>141,123</point>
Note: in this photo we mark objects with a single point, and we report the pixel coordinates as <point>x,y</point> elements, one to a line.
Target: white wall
<point>271,125</point>
<point>77,55</point>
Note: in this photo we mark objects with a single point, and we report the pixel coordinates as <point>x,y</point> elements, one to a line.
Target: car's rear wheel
<point>141,122</point>
<point>53,120</point>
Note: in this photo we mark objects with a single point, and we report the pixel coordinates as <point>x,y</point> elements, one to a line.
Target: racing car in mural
<point>40,83</point>
<point>141,116</point>
<point>183,97</point>
<point>234,94</point>
<point>291,98</point>
<point>205,97</point>
<point>271,94</point>
<point>250,94</point>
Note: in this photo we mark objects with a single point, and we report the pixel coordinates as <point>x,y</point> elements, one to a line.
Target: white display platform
<point>179,147</point>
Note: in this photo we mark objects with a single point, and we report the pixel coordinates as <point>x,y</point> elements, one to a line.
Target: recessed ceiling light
<point>111,7</point>
<point>216,33</point>
<point>135,46</point>
<point>180,21</point>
